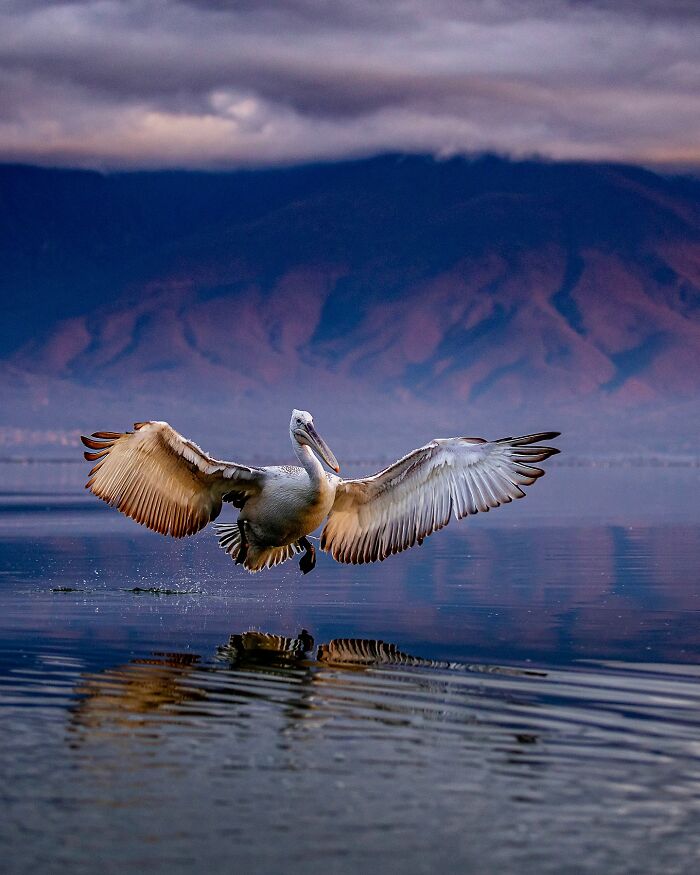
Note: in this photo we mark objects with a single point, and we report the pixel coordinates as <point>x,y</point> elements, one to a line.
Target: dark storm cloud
<point>211,82</point>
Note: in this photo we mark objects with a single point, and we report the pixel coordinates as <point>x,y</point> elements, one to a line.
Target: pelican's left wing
<point>163,481</point>
<point>416,496</point>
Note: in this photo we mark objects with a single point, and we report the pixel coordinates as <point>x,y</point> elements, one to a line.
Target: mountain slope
<point>497,285</point>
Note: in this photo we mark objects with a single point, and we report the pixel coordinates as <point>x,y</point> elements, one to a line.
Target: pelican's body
<point>290,505</point>
<point>169,484</point>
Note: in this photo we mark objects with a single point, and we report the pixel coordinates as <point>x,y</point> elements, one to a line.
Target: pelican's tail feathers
<point>229,539</point>
<point>257,558</point>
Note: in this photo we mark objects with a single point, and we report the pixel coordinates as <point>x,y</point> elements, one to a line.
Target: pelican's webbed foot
<point>243,549</point>
<point>308,560</point>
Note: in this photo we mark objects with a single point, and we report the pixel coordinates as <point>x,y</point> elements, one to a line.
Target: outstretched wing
<point>163,481</point>
<point>416,496</point>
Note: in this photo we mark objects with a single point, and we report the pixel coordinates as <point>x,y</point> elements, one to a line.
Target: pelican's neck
<point>309,461</point>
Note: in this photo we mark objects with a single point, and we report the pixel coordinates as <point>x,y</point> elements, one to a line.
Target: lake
<point>520,695</point>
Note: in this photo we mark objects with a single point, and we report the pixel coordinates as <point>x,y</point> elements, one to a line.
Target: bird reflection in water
<point>306,684</point>
<point>260,647</point>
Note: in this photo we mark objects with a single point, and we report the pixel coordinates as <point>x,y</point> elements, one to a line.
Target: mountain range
<point>387,294</point>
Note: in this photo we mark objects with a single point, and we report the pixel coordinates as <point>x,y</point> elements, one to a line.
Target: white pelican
<point>167,483</point>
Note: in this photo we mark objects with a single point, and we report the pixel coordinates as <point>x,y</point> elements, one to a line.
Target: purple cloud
<point>210,83</point>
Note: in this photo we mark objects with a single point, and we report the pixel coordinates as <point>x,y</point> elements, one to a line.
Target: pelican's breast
<point>289,506</point>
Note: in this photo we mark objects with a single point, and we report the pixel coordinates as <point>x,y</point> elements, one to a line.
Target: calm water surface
<point>539,710</point>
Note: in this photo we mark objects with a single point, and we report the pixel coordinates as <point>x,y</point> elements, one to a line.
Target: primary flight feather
<point>167,483</point>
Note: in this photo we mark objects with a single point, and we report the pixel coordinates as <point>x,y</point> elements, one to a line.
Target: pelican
<point>165,482</point>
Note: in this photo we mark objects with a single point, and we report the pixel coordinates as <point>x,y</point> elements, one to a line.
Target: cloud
<point>212,83</point>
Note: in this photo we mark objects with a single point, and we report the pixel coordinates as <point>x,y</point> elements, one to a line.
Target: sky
<point>231,83</point>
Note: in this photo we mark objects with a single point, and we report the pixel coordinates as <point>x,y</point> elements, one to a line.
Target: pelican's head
<point>302,430</point>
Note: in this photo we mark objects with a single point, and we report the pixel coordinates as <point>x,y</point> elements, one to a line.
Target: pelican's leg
<point>308,560</point>
<point>243,550</point>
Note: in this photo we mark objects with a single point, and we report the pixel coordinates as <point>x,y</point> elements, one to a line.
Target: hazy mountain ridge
<point>484,283</point>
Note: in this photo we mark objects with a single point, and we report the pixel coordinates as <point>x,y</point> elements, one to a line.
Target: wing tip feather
<point>92,444</point>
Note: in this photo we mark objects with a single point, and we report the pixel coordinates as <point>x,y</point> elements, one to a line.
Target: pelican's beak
<point>317,443</point>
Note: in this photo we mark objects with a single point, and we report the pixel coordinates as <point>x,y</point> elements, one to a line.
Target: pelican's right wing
<point>163,481</point>
<point>400,506</point>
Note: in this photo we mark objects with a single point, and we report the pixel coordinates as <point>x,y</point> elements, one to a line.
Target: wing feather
<point>377,516</point>
<point>160,479</point>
